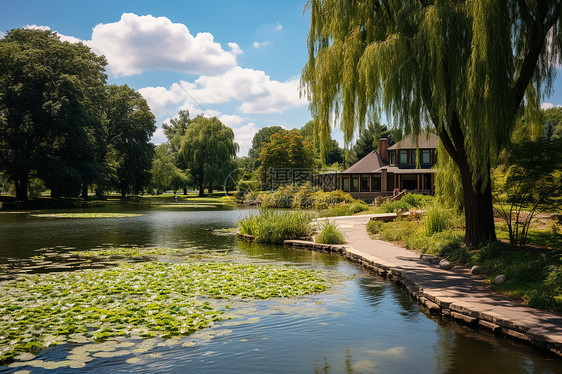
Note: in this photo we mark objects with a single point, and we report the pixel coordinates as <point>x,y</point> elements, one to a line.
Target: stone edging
<point>432,305</point>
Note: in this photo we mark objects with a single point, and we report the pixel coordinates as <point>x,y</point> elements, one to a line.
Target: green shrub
<point>409,201</point>
<point>416,200</point>
<point>302,199</point>
<point>346,209</point>
<point>436,220</point>
<point>330,234</point>
<point>374,227</point>
<point>323,200</point>
<point>281,198</point>
<point>394,206</point>
<point>276,226</point>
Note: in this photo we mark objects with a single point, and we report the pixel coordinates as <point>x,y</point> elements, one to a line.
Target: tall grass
<point>436,220</point>
<point>276,226</point>
<point>330,234</point>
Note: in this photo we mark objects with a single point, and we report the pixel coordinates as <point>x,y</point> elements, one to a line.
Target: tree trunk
<point>210,188</point>
<point>201,189</point>
<point>84,191</point>
<point>185,191</point>
<point>478,209</point>
<point>123,192</point>
<point>21,187</point>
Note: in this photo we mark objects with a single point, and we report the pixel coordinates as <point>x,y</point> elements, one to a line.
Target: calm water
<point>364,325</point>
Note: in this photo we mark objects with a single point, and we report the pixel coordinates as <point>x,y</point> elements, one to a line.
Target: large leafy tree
<point>208,150</point>
<point>174,131</point>
<point>165,174</point>
<point>331,153</point>
<point>51,95</point>
<point>259,140</point>
<point>463,68</point>
<point>285,150</point>
<point>130,125</point>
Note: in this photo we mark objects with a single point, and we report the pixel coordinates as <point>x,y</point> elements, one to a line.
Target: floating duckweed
<point>124,252</point>
<point>153,299</point>
<point>86,215</point>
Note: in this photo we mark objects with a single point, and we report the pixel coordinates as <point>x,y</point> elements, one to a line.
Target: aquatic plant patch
<point>86,215</point>
<point>186,206</point>
<point>136,300</point>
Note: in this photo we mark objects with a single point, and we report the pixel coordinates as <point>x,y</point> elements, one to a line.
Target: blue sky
<point>239,60</point>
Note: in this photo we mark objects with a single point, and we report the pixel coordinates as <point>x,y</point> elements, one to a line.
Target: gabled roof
<point>426,140</point>
<point>368,164</point>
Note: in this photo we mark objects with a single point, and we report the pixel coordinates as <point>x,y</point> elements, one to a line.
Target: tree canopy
<point>260,139</point>
<point>285,150</point>
<point>51,98</point>
<point>208,150</point>
<point>332,153</point>
<point>130,125</point>
<point>464,69</point>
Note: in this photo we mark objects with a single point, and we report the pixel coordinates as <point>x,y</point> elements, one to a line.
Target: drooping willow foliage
<point>463,68</point>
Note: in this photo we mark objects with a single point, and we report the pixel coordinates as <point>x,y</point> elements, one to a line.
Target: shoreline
<point>513,326</point>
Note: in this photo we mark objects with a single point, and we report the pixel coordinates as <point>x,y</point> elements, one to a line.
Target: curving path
<point>454,293</point>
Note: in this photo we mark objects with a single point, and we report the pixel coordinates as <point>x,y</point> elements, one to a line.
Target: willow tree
<point>463,68</point>
<point>208,149</point>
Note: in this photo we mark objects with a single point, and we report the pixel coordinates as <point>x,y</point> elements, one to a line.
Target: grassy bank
<point>534,275</point>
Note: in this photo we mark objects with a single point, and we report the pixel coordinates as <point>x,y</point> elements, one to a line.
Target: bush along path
<point>453,293</point>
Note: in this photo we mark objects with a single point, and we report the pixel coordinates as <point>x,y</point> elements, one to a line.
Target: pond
<point>362,324</point>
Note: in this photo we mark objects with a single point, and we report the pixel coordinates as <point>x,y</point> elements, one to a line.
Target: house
<point>398,166</point>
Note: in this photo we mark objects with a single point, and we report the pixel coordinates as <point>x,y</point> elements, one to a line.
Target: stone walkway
<point>453,293</point>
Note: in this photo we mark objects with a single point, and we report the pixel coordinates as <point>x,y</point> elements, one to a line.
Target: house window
<point>365,183</point>
<point>392,158</point>
<point>403,157</point>
<point>375,183</point>
<point>345,182</point>
<point>426,156</point>
<point>354,184</point>
<point>413,157</point>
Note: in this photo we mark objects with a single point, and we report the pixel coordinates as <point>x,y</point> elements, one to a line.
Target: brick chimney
<point>383,149</point>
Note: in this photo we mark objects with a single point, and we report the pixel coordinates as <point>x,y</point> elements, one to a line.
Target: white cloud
<point>163,102</point>
<point>278,26</point>
<point>231,119</point>
<point>64,38</point>
<point>138,43</point>
<point>262,44</point>
<point>2,34</point>
<point>158,137</point>
<point>235,49</point>
<point>243,136</point>
<point>253,89</point>
<point>547,105</point>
